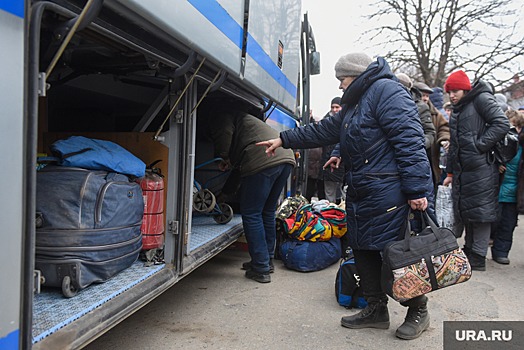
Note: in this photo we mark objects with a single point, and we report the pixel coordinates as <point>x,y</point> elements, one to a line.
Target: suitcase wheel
<point>225,215</point>
<point>204,201</point>
<point>68,289</point>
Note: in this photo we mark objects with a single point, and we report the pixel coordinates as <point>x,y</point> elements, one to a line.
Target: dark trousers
<point>315,188</point>
<point>503,233</point>
<point>369,266</point>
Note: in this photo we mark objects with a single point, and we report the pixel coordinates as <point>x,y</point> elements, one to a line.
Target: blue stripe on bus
<point>16,7</point>
<point>219,17</point>
<point>282,118</point>
<point>262,58</point>
<point>10,342</point>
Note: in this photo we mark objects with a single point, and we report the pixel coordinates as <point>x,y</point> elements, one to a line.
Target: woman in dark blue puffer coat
<point>381,143</point>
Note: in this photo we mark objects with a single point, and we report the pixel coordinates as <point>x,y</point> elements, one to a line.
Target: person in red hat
<point>477,123</point>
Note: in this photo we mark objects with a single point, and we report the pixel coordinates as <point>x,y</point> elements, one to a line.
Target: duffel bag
<point>308,256</point>
<point>88,228</point>
<point>423,263</point>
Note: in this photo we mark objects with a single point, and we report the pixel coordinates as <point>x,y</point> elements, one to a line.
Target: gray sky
<point>337,26</point>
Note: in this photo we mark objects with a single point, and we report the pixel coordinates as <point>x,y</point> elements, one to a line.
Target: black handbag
<point>422,263</point>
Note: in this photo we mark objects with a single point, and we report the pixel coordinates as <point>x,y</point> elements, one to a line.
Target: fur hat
<point>502,101</point>
<point>352,65</point>
<point>404,80</point>
<point>423,87</point>
<point>336,101</point>
<point>457,81</point>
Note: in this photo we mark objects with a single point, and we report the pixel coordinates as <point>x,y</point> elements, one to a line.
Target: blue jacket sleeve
<point>326,132</point>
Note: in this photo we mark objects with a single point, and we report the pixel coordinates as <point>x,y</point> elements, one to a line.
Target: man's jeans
<point>259,194</point>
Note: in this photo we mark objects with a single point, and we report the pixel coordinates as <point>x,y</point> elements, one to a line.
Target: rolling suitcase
<point>88,226</point>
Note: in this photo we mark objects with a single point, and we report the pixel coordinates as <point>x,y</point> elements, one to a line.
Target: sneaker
<point>259,277</point>
<point>247,266</point>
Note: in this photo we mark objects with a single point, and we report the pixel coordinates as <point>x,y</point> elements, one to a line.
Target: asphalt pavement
<point>216,307</point>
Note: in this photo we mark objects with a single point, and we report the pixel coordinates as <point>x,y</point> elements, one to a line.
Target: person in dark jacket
<point>381,142</point>
<point>476,125</point>
<point>315,184</point>
<point>441,144</point>
<point>423,110</point>
<point>262,180</point>
<point>333,178</point>
<point>437,99</point>
<point>508,210</point>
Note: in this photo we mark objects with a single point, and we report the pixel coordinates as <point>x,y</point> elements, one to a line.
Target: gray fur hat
<point>502,100</point>
<point>352,65</point>
<point>404,80</point>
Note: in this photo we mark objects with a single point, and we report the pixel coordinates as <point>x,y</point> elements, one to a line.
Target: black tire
<point>68,289</point>
<point>204,201</point>
<point>226,214</point>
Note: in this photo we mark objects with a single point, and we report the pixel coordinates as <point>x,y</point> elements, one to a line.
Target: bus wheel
<point>68,289</point>
<point>204,201</point>
<point>226,214</point>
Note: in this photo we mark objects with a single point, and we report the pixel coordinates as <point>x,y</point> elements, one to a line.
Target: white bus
<point>133,72</point>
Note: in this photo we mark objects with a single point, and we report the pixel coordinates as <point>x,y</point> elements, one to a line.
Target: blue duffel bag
<point>308,256</point>
<point>93,154</point>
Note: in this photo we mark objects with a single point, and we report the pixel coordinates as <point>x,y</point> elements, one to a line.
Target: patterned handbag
<point>423,263</point>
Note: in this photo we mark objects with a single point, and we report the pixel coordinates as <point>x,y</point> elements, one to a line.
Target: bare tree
<point>431,38</point>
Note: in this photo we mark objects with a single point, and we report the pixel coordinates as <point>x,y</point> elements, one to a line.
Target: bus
<point>137,73</point>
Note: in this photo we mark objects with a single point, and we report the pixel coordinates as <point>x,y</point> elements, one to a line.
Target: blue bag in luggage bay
<point>88,228</point>
<point>83,152</point>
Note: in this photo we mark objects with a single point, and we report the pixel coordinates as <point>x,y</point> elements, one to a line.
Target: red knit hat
<point>457,81</point>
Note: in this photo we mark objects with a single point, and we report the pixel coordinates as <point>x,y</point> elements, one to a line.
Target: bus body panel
<point>273,49</point>
<point>11,188</point>
<point>215,30</point>
<point>210,27</point>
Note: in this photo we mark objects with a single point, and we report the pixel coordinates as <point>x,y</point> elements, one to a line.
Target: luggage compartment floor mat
<point>204,229</point>
<point>52,311</point>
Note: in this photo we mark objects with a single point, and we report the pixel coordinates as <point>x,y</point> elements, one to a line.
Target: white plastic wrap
<point>444,207</point>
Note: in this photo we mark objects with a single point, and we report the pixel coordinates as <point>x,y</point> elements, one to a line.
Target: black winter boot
<point>247,265</point>
<point>416,322</point>
<point>467,251</point>
<point>374,315</point>
<point>477,261</point>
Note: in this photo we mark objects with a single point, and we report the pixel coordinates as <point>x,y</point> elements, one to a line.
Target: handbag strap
<point>427,221</point>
